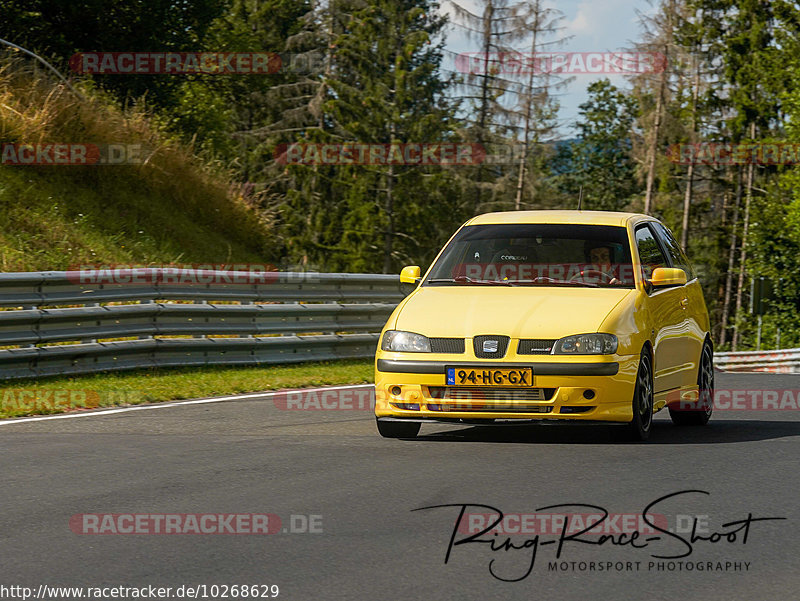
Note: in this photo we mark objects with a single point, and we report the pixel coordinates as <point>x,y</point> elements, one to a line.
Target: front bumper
<point>414,389</point>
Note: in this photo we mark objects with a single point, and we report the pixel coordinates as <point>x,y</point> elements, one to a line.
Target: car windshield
<point>536,255</point>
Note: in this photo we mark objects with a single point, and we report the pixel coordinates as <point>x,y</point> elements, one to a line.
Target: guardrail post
<point>252,319</point>
<point>200,302</point>
<point>35,327</point>
<point>91,340</point>
<point>149,301</point>
<point>294,303</point>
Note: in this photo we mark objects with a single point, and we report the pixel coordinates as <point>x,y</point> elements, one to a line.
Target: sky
<point>590,25</point>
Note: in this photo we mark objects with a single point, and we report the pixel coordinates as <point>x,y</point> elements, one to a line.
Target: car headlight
<point>586,344</point>
<point>407,342</point>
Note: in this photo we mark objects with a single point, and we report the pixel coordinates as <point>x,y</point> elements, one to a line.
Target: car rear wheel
<point>639,427</point>
<point>398,429</point>
<point>701,412</point>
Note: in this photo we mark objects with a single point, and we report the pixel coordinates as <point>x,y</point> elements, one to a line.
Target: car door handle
<point>684,302</point>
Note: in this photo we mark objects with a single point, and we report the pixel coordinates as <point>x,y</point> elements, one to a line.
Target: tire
<point>705,402</point>
<point>642,422</point>
<point>398,429</point>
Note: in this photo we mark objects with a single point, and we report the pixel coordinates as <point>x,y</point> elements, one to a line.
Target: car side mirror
<point>667,276</point>
<point>411,274</point>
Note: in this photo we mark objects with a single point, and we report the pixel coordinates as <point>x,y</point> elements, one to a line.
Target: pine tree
<point>600,161</point>
<point>388,90</point>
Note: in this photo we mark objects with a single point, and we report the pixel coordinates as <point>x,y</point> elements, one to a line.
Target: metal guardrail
<point>70,322</point>
<point>777,361</point>
<point>64,322</point>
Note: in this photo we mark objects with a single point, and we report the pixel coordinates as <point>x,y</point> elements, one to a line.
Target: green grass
<point>172,208</point>
<point>59,394</point>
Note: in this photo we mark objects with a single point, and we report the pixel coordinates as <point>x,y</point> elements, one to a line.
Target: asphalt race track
<point>250,456</point>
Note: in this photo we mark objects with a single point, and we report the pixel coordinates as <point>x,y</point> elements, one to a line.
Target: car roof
<point>559,217</point>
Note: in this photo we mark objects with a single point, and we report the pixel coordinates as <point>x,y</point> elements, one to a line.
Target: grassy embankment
<point>172,208</point>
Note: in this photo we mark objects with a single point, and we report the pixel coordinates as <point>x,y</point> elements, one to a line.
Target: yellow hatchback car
<point>548,316</point>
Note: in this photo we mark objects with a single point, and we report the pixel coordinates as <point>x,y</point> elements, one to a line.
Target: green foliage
<point>377,78</point>
<point>388,90</point>
<point>600,161</point>
<point>60,29</point>
<point>775,244</point>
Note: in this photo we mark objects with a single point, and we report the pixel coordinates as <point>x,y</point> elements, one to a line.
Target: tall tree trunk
<point>522,159</point>
<point>321,90</point>
<point>488,17</point>
<point>388,238</point>
<point>528,108</point>
<point>726,304</point>
<point>743,251</point>
<point>662,85</point>
<point>687,199</point>
<point>725,201</point>
<point>323,86</point>
<point>687,203</point>
<point>651,159</point>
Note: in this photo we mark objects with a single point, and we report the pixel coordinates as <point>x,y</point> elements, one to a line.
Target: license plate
<point>482,376</point>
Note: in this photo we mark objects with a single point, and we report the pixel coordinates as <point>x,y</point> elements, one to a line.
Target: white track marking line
<point>238,397</point>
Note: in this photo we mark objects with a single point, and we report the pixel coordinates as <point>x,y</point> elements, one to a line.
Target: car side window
<point>650,253</point>
<point>673,249</point>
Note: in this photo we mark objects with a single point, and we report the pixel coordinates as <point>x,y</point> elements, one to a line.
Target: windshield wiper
<point>543,279</point>
<point>463,279</point>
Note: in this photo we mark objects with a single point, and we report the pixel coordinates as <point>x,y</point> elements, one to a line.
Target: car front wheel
<point>639,427</point>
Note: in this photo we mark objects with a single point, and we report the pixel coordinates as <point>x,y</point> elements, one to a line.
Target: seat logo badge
<point>490,346</point>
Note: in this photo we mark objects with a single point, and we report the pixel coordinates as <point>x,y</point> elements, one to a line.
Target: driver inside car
<point>598,256</point>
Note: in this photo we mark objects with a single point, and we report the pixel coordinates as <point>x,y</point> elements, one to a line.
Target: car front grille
<point>535,346</point>
<point>479,394</point>
<point>447,345</point>
<point>489,408</point>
